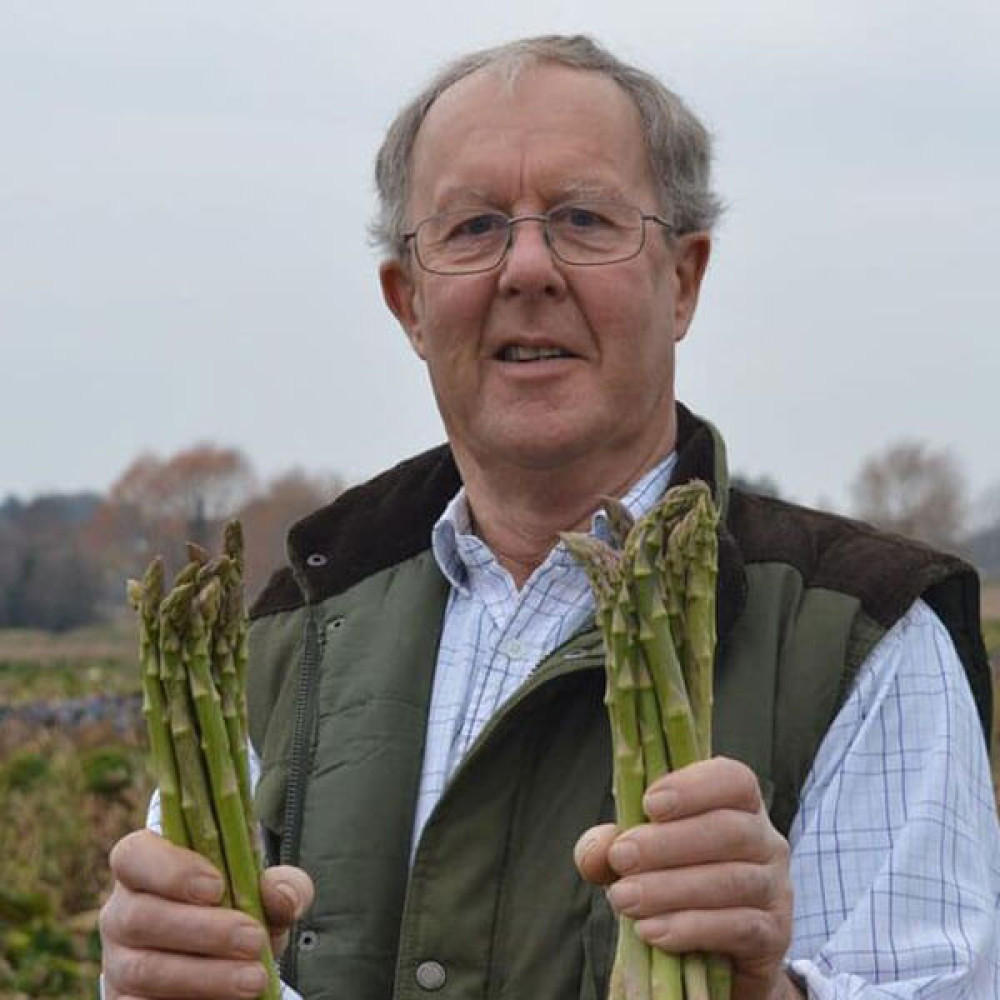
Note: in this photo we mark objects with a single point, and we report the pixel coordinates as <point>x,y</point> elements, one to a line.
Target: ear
<point>691,253</point>
<point>400,295</point>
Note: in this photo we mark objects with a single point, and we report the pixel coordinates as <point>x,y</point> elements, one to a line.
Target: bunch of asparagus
<point>655,598</point>
<point>193,654</point>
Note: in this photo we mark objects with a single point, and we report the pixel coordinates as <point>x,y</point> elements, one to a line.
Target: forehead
<point>550,128</point>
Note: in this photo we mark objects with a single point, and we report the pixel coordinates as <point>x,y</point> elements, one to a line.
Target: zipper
<point>314,639</point>
<point>583,651</point>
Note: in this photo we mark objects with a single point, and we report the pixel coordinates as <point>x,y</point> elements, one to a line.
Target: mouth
<point>522,354</point>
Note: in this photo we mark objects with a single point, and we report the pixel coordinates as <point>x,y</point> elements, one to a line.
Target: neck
<point>519,513</point>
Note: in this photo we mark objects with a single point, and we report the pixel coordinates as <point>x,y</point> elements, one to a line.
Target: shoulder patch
<point>886,572</point>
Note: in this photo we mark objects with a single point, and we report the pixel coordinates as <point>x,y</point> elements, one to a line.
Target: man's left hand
<point>708,873</point>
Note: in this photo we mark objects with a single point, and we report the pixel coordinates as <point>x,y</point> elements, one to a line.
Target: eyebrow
<point>587,190</point>
<point>459,196</point>
<point>451,197</point>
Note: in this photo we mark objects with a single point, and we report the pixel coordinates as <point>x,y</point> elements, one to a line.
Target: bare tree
<point>203,481</point>
<point>914,490</point>
<point>156,504</point>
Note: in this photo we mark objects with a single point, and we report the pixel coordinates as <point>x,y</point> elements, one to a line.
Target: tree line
<point>64,557</point>
<point>913,489</point>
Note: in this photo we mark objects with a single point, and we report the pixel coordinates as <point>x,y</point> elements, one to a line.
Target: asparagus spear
<point>631,972</point>
<point>632,959</point>
<point>696,544</point>
<point>225,641</point>
<point>196,800</point>
<point>653,635</point>
<point>241,862</point>
<point>145,597</point>
<point>236,639</point>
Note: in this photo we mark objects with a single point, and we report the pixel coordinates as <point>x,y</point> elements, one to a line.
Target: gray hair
<point>679,147</point>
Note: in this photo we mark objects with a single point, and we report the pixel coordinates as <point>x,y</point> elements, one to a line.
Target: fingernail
<point>251,980</point>
<point>623,896</point>
<point>660,805</point>
<point>287,892</point>
<point>248,940</point>
<point>655,930</point>
<point>206,889</point>
<point>584,847</point>
<point>624,856</point>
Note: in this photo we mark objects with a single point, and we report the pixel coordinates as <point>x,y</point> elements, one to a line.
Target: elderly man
<point>426,691</point>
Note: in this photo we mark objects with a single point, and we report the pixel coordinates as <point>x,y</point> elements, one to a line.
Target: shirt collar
<point>454,543</point>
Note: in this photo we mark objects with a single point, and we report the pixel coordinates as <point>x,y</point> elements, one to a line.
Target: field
<point>73,780</point>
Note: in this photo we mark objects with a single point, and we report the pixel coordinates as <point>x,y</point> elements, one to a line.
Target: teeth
<point>514,353</point>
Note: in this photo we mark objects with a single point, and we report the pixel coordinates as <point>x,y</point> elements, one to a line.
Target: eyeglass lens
<point>581,233</point>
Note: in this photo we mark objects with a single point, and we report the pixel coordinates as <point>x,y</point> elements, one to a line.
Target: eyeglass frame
<point>544,219</point>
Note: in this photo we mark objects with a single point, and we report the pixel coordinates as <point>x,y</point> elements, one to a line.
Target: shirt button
<point>431,975</point>
<point>515,649</point>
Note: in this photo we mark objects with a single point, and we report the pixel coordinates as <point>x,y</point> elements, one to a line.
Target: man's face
<point>559,134</point>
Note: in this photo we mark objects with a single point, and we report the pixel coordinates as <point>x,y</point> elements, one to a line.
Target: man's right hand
<point>164,935</point>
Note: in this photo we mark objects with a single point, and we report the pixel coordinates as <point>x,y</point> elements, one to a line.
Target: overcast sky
<point>184,190</point>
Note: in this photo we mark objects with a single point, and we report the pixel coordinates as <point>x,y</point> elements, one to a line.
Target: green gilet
<point>343,647</point>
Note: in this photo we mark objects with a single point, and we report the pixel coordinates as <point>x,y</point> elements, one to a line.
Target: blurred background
<point>191,326</point>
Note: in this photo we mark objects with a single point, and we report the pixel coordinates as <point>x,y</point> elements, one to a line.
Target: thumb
<point>286,893</point>
<point>591,854</point>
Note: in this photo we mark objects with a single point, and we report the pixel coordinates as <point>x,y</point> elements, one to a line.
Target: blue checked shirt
<point>494,635</point>
<point>895,850</point>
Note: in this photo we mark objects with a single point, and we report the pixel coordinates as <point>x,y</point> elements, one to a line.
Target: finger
<point>146,862</point>
<point>705,887</point>
<point>591,854</point>
<point>279,942</point>
<point>750,936</point>
<point>720,836</point>
<point>719,783</point>
<point>286,893</point>
<point>162,976</point>
<point>141,921</point>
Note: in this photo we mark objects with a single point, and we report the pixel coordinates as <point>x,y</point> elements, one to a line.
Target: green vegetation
<point>37,666</point>
<point>67,793</point>
<point>66,798</point>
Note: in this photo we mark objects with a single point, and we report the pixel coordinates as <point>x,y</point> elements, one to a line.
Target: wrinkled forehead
<point>540,105</point>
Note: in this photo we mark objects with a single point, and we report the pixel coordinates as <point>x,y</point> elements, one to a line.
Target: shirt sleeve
<point>153,822</point>
<point>895,850</point>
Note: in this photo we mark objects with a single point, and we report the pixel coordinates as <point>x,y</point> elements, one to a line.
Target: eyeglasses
<point>585,233</point>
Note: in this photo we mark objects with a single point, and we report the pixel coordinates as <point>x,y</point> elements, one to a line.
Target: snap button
<point>316,559</point>
<point>308,940</point>
<point>431,975</point>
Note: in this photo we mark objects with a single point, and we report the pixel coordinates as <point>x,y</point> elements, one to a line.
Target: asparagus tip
<point>620,519</point>
<point>196,553</point>
<point>134,590</point>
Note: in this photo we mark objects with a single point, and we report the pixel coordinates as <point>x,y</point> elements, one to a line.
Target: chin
<point>546,451</point>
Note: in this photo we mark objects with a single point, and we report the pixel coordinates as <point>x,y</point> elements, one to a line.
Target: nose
<point>530,267</point>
